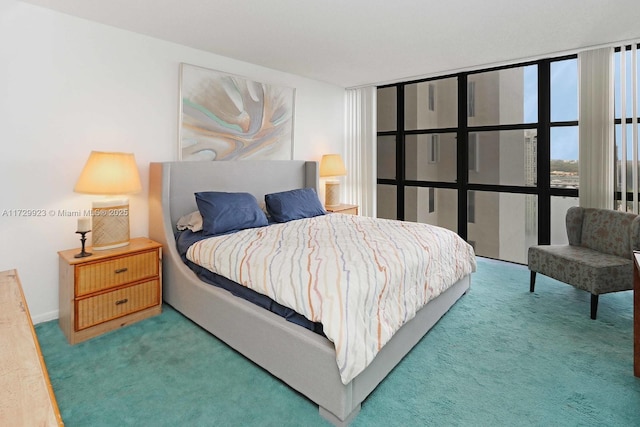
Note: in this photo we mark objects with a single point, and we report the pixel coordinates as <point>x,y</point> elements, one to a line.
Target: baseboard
<point>45,317</point>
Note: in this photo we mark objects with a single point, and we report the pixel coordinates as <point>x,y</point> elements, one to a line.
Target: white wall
<point>70,86</point>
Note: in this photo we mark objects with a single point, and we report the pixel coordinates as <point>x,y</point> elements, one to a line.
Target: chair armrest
<point>575,215</point>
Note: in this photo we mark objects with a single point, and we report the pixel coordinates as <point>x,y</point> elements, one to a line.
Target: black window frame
<point>542,188</point>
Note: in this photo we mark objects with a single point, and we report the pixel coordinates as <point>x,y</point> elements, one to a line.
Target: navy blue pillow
<point>294,204</point>
<point>223,212</point>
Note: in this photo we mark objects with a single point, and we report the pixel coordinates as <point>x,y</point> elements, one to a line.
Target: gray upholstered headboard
<point>179,180</point>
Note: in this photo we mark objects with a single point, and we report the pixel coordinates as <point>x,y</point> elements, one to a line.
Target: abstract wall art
<point>227,117</point>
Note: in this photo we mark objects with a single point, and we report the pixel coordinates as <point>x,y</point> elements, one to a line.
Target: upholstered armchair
<point>598,258</point>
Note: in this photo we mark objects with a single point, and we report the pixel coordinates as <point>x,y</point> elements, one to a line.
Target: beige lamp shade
<point>109,174</point>
<point>332,165</point>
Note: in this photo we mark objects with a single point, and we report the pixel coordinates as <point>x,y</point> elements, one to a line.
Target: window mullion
<point>462,156</point>
<point>544,152</point>
<point>400,154</point>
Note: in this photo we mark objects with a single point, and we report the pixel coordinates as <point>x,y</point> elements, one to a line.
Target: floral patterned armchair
<point>598,258</point>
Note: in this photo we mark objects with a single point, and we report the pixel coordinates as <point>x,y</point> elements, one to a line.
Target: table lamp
<point>332,165</point>
<point>112,175</point>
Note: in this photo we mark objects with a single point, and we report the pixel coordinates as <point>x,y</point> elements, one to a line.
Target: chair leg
<point>594,306</point>
<point>532,283</point>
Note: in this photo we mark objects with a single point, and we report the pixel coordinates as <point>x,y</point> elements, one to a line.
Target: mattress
<point>362,278</point>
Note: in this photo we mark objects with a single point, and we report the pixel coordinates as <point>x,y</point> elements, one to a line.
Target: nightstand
<point>343,208</point>
<point>109,289</point>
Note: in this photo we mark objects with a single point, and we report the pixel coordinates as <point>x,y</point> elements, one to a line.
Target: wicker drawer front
<point>108,274</point>
<point>101,308</point>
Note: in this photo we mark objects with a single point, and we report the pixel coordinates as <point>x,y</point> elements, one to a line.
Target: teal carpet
<point>500,357</point>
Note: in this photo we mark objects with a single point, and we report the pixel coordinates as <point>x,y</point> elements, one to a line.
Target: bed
<point>303,359</point>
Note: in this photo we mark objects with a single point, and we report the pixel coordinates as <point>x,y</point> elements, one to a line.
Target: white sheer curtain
<point>596,128</point>
<point>360,149</point>
<point>628,161</point>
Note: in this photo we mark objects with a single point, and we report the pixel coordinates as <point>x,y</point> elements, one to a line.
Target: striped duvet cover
<point>362,278</point>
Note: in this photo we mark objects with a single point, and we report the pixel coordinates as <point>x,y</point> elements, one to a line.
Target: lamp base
<point>332,193</point>
<point>110,224</point>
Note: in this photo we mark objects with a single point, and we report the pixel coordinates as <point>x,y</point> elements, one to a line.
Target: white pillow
<point>192,221</point>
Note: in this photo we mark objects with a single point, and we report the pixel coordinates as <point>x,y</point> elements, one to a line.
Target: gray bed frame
<point>302,359</point>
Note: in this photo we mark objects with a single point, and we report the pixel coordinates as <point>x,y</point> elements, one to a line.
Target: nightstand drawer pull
<point>103,307</point>
<point>118,271</point>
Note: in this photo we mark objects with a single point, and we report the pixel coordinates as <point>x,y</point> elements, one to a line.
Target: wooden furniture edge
<point>343,207</point>
<point>135,244</point>
<point>113,324</point>
<point>636,313</point>
<point>13,275</point>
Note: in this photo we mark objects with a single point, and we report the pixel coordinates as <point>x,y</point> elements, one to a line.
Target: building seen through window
<point>478,170</point>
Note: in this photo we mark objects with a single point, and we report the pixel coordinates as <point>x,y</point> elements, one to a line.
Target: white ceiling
<point>357,42</point>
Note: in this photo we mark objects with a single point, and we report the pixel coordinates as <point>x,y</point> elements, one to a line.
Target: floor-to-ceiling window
<point>564,167</point>
<point>491,154</point>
